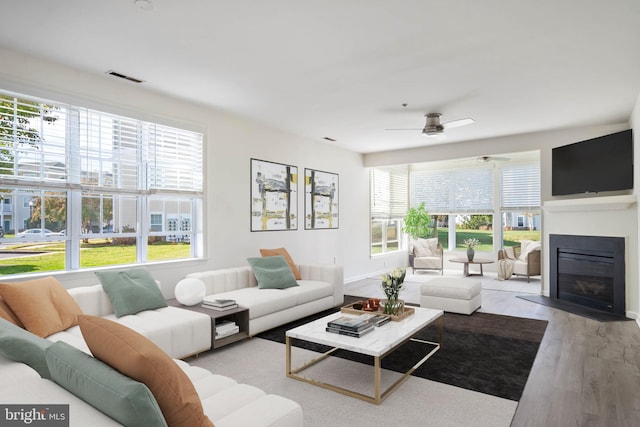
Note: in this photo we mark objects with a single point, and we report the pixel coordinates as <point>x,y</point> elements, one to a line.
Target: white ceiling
<point>343,68</point>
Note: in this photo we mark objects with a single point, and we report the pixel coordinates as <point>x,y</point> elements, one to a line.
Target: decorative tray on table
<point>373,307</point>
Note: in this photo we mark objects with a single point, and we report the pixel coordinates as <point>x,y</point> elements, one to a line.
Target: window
<point>520,203</point>
<point>497,203</point>
<point>95,186</point>
<point>461,200</point>
<point>388,206</point>
<point>156,222</point>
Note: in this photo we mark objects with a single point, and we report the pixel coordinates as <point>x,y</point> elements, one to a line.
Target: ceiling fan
<point>434,128</point>
<point>485,159</point>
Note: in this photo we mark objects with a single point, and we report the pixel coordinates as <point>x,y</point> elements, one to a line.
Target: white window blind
<point>389,192</point>
<point>62,145</point>
<point>520,187</point>
<point>453,191</point>
<point>175,160</point>
<point>32,140</point>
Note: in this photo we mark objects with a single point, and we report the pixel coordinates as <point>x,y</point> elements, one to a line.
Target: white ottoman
<point>451,294</point>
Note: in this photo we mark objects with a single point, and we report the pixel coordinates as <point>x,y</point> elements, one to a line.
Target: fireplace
<point>588,271</point>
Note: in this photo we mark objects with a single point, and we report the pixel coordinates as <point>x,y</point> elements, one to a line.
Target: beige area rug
<point>417,402</point>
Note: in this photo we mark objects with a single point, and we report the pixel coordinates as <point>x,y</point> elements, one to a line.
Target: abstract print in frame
<point>274,196</point>
<point>321,200</point>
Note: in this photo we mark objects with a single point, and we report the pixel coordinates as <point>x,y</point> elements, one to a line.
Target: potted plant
<point>417,222</point>
<point>471,243</point>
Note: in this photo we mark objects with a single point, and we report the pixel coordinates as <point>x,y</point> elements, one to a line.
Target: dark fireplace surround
<point>588,271</point>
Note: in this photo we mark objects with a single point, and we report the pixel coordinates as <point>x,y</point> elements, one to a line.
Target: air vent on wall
<point>124,76</point>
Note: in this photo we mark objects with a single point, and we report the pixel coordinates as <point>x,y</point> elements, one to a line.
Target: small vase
<point>470,254</point>
<point>393,306</point>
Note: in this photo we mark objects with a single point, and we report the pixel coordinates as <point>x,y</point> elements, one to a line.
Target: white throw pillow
<point>527,246</point>
<point>426,247</point>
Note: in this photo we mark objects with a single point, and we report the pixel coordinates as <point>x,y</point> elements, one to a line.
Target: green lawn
<point>511,238</point>
<point>50,256</point>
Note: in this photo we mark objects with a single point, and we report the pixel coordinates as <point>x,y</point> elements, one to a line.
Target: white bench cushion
<point>451,288</point>
<point>450,294</point>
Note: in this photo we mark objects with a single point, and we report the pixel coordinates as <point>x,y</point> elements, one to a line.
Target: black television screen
<point>599,164</point>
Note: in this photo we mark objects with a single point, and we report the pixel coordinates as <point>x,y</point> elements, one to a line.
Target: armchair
<point>426,254</point>
<point>525,263</point>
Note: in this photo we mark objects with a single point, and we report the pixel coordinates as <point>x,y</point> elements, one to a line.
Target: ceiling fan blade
<point>485,159</point>
<point>457,123</point>
<point>405,129</point>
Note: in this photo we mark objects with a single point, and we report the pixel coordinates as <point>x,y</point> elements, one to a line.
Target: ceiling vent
<point>124,76</point>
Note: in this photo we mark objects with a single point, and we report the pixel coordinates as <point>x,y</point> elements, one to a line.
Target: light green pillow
<point>22,346</point>
<point>127,401</point>
<point>131,291</point>
<point>272,272</point>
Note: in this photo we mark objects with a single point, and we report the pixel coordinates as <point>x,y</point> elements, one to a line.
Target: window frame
<point>168,161</point>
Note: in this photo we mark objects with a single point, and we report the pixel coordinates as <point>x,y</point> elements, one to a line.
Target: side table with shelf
<point>239,315</point>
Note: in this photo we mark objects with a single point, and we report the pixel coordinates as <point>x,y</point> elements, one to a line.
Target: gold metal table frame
<point>379,395</point>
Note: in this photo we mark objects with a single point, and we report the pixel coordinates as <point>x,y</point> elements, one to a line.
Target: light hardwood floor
<point>586,373</point>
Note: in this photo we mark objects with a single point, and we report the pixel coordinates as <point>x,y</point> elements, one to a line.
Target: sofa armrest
<point>533,263</point>
<point>330,273</point>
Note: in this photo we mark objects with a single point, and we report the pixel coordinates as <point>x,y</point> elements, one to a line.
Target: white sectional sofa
<point>225,402</point>
<point>180,333</point>
<point>321,287</point>
<point>177,331</point>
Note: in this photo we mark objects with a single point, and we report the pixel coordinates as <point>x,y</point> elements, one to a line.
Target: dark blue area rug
<point>487,353</point>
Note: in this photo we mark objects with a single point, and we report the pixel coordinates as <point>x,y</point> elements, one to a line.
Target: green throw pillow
<point>272,272</point>
<point>125,400</point>
<point>22,346</point>
<point>131,291</point>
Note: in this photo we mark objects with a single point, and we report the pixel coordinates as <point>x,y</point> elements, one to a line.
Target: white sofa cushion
<point>229,404</point>
<point>39,391</point>
<point>261,302</point>
<point>15,372</point>
<point>427,262</point>
<point>179,332</point>
<point>520,267</point>
<point>311,290</point>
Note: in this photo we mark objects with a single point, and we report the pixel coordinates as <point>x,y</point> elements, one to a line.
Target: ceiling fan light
<point>431,133</point>
<point>144,4</point>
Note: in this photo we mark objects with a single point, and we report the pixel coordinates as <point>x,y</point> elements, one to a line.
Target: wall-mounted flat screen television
<point>599,164</point>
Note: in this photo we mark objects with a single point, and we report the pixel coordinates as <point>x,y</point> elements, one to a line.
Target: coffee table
<point>378,343</point>
<point>478,261</point>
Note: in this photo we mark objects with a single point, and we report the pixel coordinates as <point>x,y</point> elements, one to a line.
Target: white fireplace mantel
<point>607,203</point>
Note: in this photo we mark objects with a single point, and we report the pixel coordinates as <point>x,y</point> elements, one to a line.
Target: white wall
<point>230,143</point>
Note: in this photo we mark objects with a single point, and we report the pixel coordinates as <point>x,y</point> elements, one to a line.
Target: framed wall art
<point>321,200</point>
<point>274,196</point>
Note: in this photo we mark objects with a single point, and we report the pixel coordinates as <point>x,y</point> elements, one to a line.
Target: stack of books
<point>226,328</point>
<point>379,319</point>
<point>218,304</point>
<point>351,326</point>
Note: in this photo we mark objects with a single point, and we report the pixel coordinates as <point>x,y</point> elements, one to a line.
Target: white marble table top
<point>375,343</point>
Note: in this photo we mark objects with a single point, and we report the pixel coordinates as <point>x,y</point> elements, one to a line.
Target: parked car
<point>1,231</point>
<point>33,232</point>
